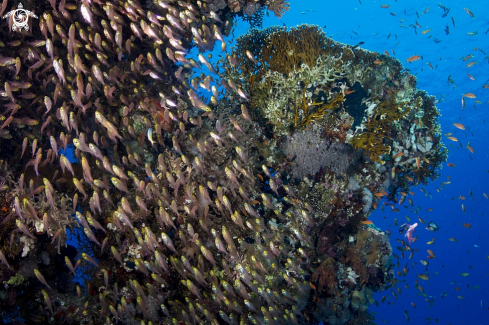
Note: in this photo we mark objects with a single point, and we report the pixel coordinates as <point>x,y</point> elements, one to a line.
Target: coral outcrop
<point>243,209</point>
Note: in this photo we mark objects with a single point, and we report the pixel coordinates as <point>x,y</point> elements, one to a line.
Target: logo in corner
<point>20,18</point>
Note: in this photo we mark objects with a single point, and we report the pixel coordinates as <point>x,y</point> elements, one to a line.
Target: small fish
<point>150,136</point>
<point>423,277</point>
<point>459,126</point>
<point>89,259</point>
<point>41,278</point>
<point>470,13</point>
<point>65,163</point>
<point>116,254</point>
<point>119,184</point>
<point>70,265</point>
<point>47,300</point>
<point>4,259</point>
<point>413,58</point>
<point>168,242</point>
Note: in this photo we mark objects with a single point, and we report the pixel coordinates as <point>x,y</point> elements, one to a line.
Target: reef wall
<point>250,207</point>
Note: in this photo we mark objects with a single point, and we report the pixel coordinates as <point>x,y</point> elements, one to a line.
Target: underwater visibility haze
<point>243,162</point>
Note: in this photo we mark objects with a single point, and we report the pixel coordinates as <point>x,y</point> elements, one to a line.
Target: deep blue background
<point>343,18</point>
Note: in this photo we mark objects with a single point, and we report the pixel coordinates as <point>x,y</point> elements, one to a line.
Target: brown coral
<point>326,276</point>
<point>353,258</point>
<point>285,50</point>
<point>278,7</point>
<point>280,49</point>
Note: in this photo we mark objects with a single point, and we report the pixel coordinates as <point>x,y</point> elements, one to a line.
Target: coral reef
<point>310,151</point>
<point>243,209</point>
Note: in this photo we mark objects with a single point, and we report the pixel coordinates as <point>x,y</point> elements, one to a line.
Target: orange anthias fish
<point>469,95</point>
<point>413,58</point>
<point>459,126</point>
<point>367,222</point>
<point>399,154</point>
<point>466,225</point>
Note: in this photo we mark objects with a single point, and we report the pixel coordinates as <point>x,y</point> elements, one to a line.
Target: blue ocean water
<point>391,29</point>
